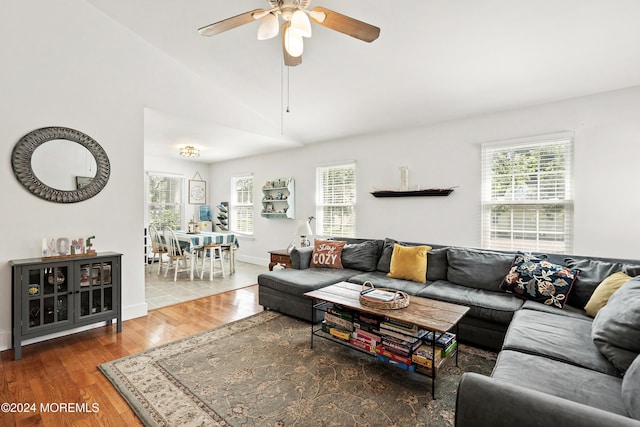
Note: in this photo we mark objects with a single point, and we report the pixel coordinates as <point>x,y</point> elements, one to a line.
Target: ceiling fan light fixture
<point>293,42</point>
<point>300,23</point>
<point>269,27</point>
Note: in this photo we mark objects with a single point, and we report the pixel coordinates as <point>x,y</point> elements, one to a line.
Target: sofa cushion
<point>566,311</point>
<point>384,262</point>
<point>631,389</point>
<point>616,328</point>
<point>539,280</point>
<point>603,292</point>
<point>327,254</point>
<point>559,379</point>
<point>592,272</point>
<point>409,263</point>
<point>298,282</point>
<point>380,280</point>
<point>437,264</point>
<point>563,338</point>
<point>486,305</point>
<point>477,268</point>
<point>360,256</point>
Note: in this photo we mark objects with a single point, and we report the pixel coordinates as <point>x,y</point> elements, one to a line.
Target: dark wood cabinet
<point>55,295</point>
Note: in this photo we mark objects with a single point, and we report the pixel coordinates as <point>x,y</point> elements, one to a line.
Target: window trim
<point>319,229</point>
<point>233,204</point>
<point>566,138</point>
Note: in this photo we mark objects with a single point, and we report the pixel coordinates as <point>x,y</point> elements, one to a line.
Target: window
<point>336,200</point>
<point>241,208</point>
<point>527,195</point>
<point>165,200</point>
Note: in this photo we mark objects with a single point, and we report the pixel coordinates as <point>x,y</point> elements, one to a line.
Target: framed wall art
<point>197,192</point>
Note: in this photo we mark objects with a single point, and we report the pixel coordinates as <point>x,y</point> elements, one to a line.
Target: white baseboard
<point>252,260</point>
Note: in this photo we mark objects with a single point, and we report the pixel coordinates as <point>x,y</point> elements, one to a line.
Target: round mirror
<point>60,164</point>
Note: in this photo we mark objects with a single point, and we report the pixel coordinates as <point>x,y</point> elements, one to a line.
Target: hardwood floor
<point>64,370</point>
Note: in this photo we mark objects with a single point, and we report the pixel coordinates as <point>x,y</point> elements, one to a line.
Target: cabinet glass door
<point>48,296</point>
<point>96,288</point>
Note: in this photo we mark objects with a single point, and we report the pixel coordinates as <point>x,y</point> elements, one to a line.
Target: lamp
<point>189,151</point>
<point>304,230</point>
<point>300,23</point>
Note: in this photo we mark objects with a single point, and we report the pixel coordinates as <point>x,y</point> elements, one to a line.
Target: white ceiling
<point>435,60</point>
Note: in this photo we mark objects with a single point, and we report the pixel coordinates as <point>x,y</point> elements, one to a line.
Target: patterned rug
<point>261,371</point>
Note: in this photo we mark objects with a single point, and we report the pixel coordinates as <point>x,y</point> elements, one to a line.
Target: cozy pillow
<point>631,389</point>
<point>409,263</point>
<point>592,272</point>
<point>616,328</point>
<point>539,280</point>
<point>604,291</point>
<point>477,268</point>
<point>327,254</point>
<point>360,256</point>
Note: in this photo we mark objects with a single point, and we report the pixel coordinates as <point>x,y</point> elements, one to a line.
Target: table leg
<point>433,367</point>
<point>313,320</point>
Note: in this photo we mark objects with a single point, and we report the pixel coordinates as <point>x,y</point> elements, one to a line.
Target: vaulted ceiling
<point>435,60</point>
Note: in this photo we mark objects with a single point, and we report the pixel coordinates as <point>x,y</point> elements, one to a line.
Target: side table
<point>280,256</point>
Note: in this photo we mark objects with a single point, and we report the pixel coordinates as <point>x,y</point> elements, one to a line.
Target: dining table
<point>193,242</point>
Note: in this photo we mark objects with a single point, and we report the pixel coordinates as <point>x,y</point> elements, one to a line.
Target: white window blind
<point>336,200</point>
<point>164,195</point>
<point>241,205</point>
<point>527,201</point>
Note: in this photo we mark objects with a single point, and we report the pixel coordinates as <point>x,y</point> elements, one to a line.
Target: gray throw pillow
<point>631,389</point>
<point>437,264</point>
<point>592,272</point>
<point>384,263</point>
<point>477,268</point>
<point>616,327</point>
<point>360,256</point>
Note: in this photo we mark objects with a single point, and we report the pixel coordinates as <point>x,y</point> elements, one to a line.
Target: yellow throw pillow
<point>409,263</point>
<point>603,292</point>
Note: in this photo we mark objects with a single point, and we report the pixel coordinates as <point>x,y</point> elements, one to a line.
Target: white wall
<point>66,64</point>
<point>606,129</point>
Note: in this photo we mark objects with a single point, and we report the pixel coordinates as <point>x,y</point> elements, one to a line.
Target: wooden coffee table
<point>425,313</point>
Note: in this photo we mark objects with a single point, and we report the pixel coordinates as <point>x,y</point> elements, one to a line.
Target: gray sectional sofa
<point>554,366</point>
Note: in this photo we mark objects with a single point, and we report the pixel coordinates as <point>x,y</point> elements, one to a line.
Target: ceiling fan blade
<point>229,23</point>
<point>289,61</point>
<point>346,25</point>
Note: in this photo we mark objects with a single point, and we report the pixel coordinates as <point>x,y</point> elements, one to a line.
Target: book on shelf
<point>413,332</point>
<point>368,319</point>
<point>339,311</point>
<point>442,340</point>
<point>399,335</point>
<point>345,324</point>
<point>371,348</point>
<point>406,367</point>
<point>423,354</point>
<point>340,334</point>
<point>391,355</point>
<point>366,335</point>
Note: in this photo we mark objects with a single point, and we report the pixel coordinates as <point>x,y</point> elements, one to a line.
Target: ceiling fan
<point>297,25</point>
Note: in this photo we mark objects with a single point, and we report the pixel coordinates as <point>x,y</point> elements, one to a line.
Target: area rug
<point>261,371</point>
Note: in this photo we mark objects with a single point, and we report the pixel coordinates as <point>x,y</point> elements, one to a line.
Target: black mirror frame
<point>21,164</point>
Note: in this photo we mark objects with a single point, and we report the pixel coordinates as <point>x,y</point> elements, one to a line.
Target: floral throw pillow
<point>539,280</point>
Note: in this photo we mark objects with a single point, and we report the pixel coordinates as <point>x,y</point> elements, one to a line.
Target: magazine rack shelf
<point>56,295</point>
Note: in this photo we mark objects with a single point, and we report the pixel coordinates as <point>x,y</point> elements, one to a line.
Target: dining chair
<point>158,247</point>
<point>212,252</point>
<point>229,252</point>
<point>178,255</point>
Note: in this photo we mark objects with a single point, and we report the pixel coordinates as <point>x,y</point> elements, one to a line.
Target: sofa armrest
<point>483,401</point>
<point>301,258</point>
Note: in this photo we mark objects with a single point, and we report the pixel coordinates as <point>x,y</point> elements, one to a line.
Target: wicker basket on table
<point>398,300</point>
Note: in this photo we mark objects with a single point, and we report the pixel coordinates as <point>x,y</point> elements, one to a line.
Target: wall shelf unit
<point>278,198</point>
